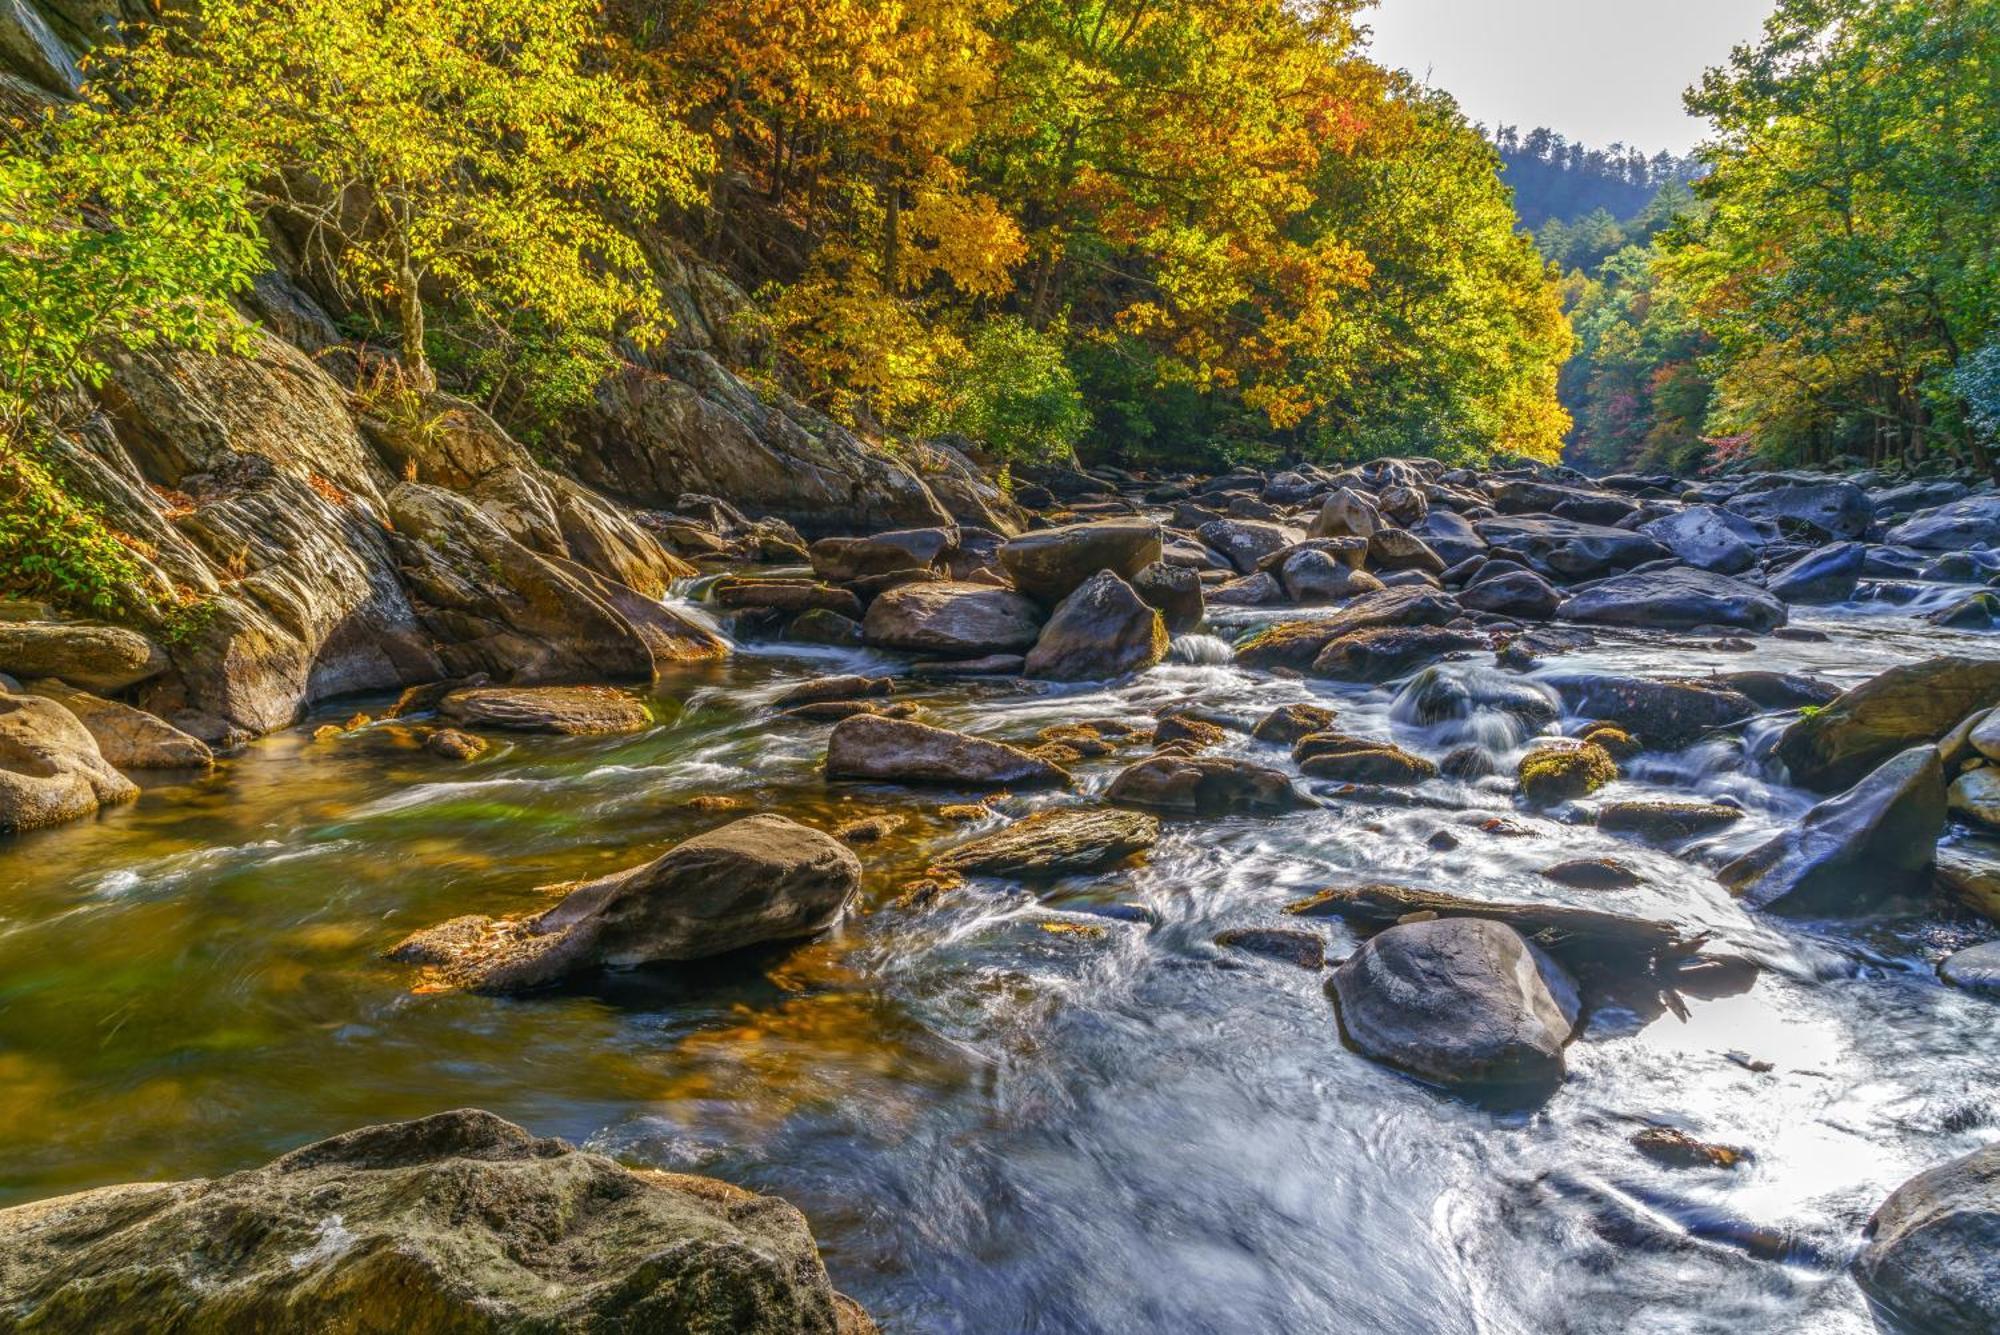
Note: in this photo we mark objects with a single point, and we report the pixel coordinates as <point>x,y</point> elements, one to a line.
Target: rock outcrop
<point>1896,709</point>
<point>50,768</point>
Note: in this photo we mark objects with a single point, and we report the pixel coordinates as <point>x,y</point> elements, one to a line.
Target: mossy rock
<point>1553,774</point>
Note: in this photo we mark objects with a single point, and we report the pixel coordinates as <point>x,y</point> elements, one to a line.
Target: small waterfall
<point>682,599</point>
<point>1201,650</point>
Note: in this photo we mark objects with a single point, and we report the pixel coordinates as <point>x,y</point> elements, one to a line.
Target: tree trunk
<point>416,362</point>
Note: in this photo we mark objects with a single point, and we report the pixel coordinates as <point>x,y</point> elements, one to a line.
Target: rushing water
<point>995,1127</point>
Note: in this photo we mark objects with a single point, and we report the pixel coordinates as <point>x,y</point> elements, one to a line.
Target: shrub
<point>1012,390</point>
<point>55,548</point>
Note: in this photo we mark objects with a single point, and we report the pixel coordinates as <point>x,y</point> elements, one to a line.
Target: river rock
<point>1205,786</point>
<point>784,595</point>
<point>50,768</point>
<point>1396,549</point>
<point>1932,1263</point>
<point>846,687</point>
<point>1778,690</point>
<point>1245,542</point>
<point>575,711</point>
<point>1907,704</point>
<point>1969,871</point>
<point>1451,536</point>
<point>952,619</point>
<point>1288,723</point>
<point>1360,760</point>
<point>1174,592</point>
<point>1051,563</point>
<point>1521,594</point>
<point>1661,713</point>
<point>1975,795</point>
<point>1837,510</point>
<point>1382,653</point>
<point>1825,576</point>
<point>1295,644</point>
<point>1258,590</point>
<point>129,738</point>
<point>1971,522</point>
<point>1570,549</point>
<point>1057,843</point>
<point>1441,693</point>
<point>1305,949</point>
<point>457,1222</point>
<point>760,879</point>
<point>96,658</point>
<point>1460,1002</point>
<point>840,560</point>
<point>1103,629</point>
<point>903,751</point>
<point>1976,968</point>
<point>1559,772</point>
<point>1709,538</point>
<point>1346,514</point>
<point>1675,599</point>
<point>1874,841</point>
<point>1666,822</point>
<point>1313,576</point>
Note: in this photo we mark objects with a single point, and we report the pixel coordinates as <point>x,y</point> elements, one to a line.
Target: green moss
<point>1558,774</point>
<point>55,547</point>
<point>186,622</point>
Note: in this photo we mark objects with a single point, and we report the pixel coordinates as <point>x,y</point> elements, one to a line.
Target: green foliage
<point>104,243</point>
<point>1012,390</point>
<point>1977,382</point>
<point>185,622</point>
<point>53,547</point>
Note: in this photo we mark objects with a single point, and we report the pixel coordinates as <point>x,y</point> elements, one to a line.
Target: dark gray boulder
<point>1710,537</point>
<point>1520,593</point>
<point>1675,599</point>
<point>1825,576</point>
<point>1932,1263</point>
<point>904,751</point>
<point>1837,510</point>
<point>1103,629</point>
<point>1050,563</point>
<point>1971,522</point>
<point>1061,842</point>
<point>1662,713</point>
<point>1173,591</point>
<point>1567,548</point>
<point>1460,1002</point>
<point>1976,968</point>
<point>1205,786</point>
<point>1895,709</point>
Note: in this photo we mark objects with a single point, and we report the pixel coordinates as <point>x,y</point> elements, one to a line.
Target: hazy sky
<point>1597,70</point>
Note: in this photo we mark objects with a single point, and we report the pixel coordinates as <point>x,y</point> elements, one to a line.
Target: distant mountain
<point>1553,178</point>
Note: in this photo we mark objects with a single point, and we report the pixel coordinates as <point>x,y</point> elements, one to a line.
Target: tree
<point>475,150</point>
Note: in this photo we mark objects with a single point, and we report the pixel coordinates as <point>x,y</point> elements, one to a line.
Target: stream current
<point>992,1126</point>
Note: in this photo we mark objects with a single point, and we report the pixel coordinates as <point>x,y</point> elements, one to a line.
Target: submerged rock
<point>1871,843</point>
<point>1205,786</point>
<point>1305,949</point>
<point>1056,843</point>
<point>760,879</point>
<point>1932,1262</point>
<point>1460,1002</point>
<point>1896,709</point>
<point>50,768</point>
<point>1667,822</point>
<point>570,710</point>
<point>1103,629</point>
<point>902,751</point>
<point>454,1223</point>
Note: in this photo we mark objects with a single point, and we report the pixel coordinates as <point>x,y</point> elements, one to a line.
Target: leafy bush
<point>1013,390</point>
<point>54,548</point>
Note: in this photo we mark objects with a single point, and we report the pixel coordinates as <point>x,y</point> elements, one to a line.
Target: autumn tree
<point>473,151</point>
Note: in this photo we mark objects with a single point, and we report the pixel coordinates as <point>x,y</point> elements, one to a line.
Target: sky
<point>1603,71</point>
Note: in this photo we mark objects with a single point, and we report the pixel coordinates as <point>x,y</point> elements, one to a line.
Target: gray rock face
<point>96,658</point>
<point>1057,843</point>
<point>1205,786</point>
<point>902,751</point>
<point>1874,841</point>
<point>654,436</point>
<point>1570,549</point>
<point>1971,522</point>
<point>454,1223</point>
<point>1710,538</point>
<point>129,738</point>
<point>760,879</point>
<point>1674,599</point>
<point>1907,704</point>
<point>50,767</point>
<point>1932,1262</point>
<point>1460,1002</point>
<point>1825,576</point>
<point>1101,630</point>
<point>1051,563</point>
<point>952,619</point>
<point>1837,510</point>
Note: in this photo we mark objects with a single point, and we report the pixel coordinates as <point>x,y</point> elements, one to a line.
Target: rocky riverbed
<point>1394,898</point>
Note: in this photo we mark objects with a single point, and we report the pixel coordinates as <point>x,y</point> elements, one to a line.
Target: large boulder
<point>844,559</point>
<point>1837,510</point>
<point>1173,591</point>
<point>96,658</point>
<point>1907,704</point>
<point>1051,563</point>
<point>50,767</point>
<point>1103,629</point>
<point>902,751</point>
<point>1205,786</point>
<point>1971,522</point>
<point>1346,513</point>
<point>1057,843</point>
<point>1824,576</point>
<point>1246,543</point>
<point>1460,1002</point>
<point>455,1223</point>
<point>1709,538</point>
<point>1295,644</point>
<point>952,619</point>
<point>1520,594</point>
<point>1450,535</point>
<point>1873,842</point>
<point>570,711</point>
<point>1383,653</point>
<point>1932,1262</point>
<point>129,738</point>
<point>756,880</point>
<point>1662,713</point>
<point>1567,548</point>
<point>656,435</point>
<point>1677,599</point>
<point>1976,969</point>
<point>1313,576</point>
